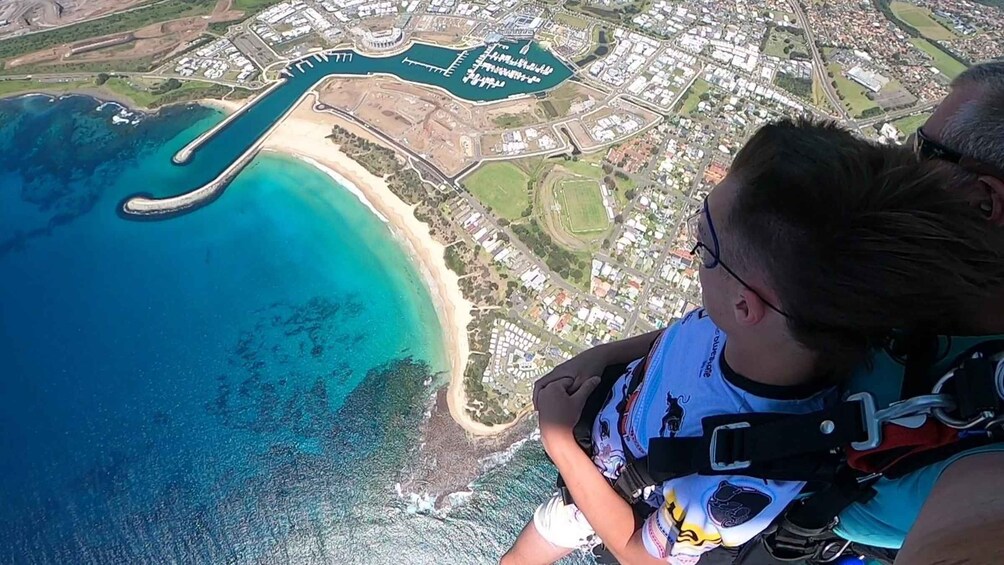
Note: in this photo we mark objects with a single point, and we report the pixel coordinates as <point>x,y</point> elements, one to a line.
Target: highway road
<point>818,64</point>
<point>896,115</point>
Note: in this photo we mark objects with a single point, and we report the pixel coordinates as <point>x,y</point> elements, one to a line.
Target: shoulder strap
<point>583,430</point>
<point>921,352</point>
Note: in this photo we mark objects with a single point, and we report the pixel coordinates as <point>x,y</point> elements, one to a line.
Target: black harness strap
<point>772,446</point>
<point>799,447</point>
<point>920,350</point>
<point>583,430</point>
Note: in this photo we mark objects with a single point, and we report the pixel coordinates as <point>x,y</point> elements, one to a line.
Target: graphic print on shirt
<point>604,429</point>
<point>673,526</point>
<point>673,418</point>
<point>610,460</point>
<point>733,505</point>
<point>709,366</point>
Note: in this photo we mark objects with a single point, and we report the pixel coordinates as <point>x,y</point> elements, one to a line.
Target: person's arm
<point>591,362</point>
<point>626,350</point>
<point>962,520</point>
<point>609,515</point>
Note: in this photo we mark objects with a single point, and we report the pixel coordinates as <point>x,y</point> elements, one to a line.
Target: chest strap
<point>773,446</point>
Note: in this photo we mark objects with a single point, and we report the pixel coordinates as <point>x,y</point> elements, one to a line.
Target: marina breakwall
<point>148,206</point>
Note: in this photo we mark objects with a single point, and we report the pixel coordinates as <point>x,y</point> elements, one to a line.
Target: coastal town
<point>540,157</point>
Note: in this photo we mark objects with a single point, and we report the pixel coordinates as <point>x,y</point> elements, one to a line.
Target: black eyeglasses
<point>927,148</point>
<point>711,258</point>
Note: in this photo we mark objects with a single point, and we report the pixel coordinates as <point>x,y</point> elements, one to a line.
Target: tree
<point>102,78</point>
<point>619,218</point>
<point>630,193</point>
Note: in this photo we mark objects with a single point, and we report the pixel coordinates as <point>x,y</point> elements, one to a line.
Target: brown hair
<point>856,239</point>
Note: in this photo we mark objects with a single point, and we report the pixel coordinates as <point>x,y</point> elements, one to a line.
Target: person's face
<point>717,288</point>
<point>987,192</point>
<point>728,297</point>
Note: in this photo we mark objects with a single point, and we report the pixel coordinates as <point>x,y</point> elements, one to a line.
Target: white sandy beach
<point>302,135</point>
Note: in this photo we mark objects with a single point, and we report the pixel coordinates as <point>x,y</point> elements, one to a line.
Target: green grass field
<point>254,5</point>
<point>943,61</point>
<point>909,124</point>
<point>693,98</point>
<point>501,186</point>
<point>920,18</point>
<point>571,21</point>
<point>587,166</point>
<point>139,96</point>
<point>142,95</point>
<point>508,121</point>
<point>582,205</point>
<point>854,94</point>
<point>776,43</point>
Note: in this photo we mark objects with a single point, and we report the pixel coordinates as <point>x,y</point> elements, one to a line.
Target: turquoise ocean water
<point>242,384</point>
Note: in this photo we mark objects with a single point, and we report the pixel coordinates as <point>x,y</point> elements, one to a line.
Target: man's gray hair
<point>977,129</point>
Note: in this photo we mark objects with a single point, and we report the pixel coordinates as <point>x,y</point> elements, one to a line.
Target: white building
<point>384,39</point>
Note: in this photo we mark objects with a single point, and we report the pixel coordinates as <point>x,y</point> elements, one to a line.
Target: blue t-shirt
<point>885,520</point>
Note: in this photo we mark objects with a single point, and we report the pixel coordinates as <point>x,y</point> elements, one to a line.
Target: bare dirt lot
<point>445,129</point>
<point>148,45</point>
<point>442,30</point>
<point>32,15</point>
<point>430,123</point>
<point>452,134</point>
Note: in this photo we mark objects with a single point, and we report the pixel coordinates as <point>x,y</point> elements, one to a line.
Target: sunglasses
<point>711,256</point>
<point>927,148</point>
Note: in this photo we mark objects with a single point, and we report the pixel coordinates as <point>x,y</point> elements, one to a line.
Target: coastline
<point>302,135</point>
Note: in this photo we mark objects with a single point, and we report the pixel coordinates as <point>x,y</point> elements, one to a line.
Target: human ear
<point>993,207</point>
<point>748,308</point>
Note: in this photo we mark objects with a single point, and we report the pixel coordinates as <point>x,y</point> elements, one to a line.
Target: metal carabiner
<point>942,415</point>
<point>916,406</point>
<point>840,547</point>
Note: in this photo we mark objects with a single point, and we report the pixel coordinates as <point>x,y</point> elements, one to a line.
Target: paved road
<point>896,115</point>
<point>818,65</point>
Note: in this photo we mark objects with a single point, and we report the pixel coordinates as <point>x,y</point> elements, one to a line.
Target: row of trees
<point>376,158</point>
<point>558,259</point>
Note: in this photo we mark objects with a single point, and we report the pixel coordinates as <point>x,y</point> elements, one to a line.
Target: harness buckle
<point>872,425</point>
<point>832,551</point>
<point>732,465</point>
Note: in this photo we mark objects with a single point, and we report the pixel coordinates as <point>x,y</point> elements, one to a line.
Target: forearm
<point>625,350</point>
<point>962,518</point>
<point>609,515</point>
